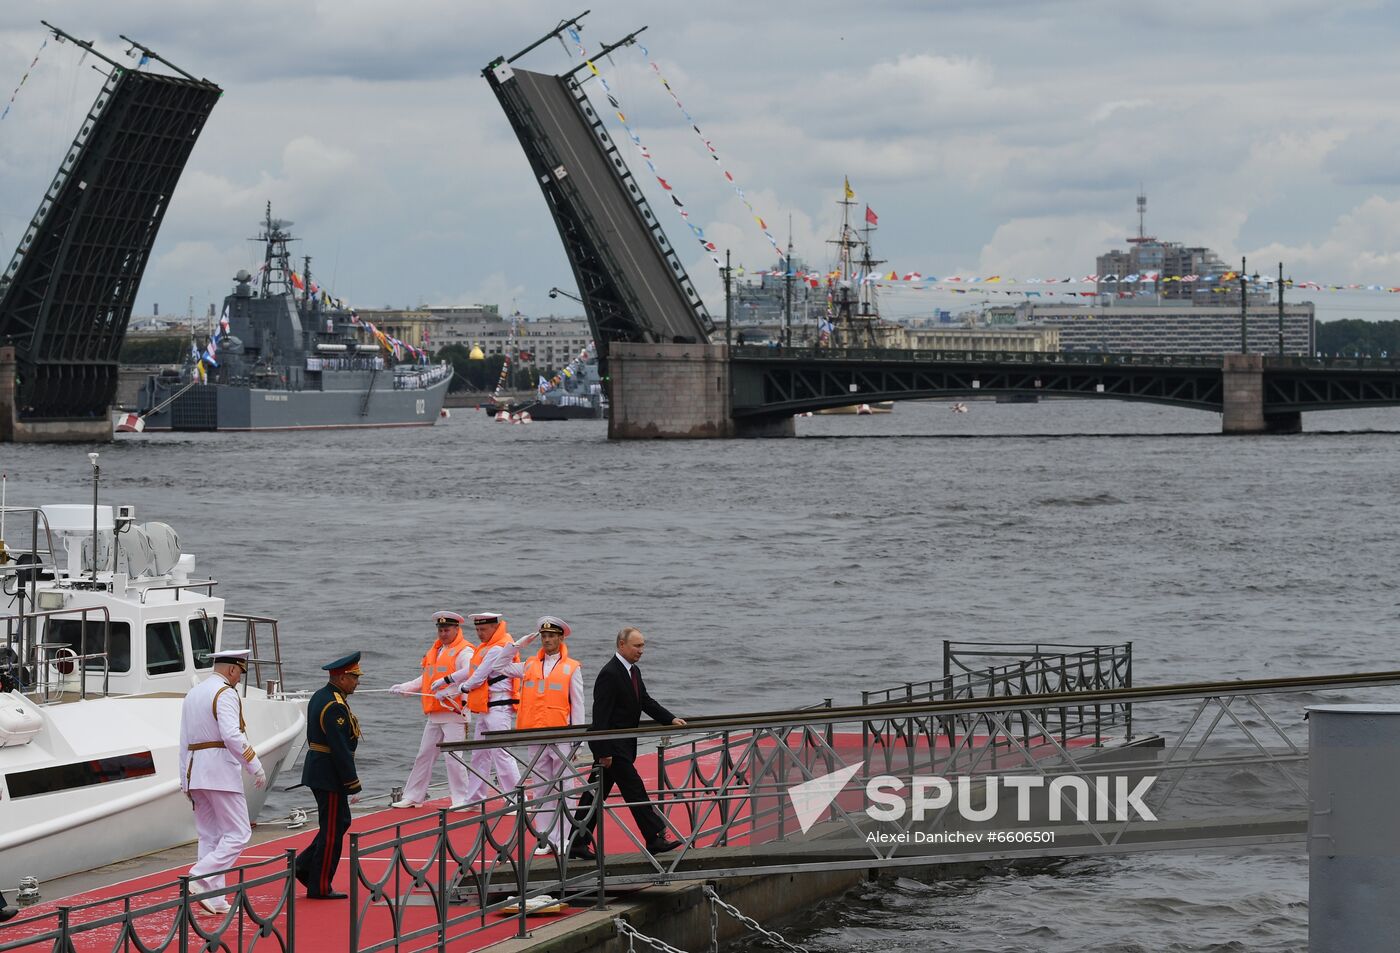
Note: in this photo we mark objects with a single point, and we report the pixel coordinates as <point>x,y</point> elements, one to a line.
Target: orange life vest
<point>544,702</point>
<point>440,661</point>
<point>478,699</point>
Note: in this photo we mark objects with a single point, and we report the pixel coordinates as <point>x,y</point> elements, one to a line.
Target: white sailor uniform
<point>497,717</point>
<point>441,726</point>
<point>214,751</point>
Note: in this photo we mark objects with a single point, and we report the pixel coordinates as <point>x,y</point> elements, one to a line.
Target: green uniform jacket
<point>332,735</point>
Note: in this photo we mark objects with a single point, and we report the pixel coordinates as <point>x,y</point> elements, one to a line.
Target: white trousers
<point>551,777</point>
<point>221,821</point>
<point>416,788</point>
<point>483,759</point>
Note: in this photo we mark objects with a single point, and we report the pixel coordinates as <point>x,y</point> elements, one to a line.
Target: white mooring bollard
<point>1353,828</point>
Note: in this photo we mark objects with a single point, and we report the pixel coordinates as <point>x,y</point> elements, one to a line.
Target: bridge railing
<point>1334,362</point>
<point>758,352</point>
<point>161,918</point>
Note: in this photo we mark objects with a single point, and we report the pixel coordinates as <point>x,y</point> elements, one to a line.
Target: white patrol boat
<point>95,659</point>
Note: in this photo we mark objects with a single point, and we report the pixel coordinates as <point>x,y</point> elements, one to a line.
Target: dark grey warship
<point>288,358</point>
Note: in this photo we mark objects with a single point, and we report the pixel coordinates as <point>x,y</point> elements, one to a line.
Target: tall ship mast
<point>854,316</point>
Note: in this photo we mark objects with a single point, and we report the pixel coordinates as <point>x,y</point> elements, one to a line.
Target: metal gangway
<point>1053,753</point>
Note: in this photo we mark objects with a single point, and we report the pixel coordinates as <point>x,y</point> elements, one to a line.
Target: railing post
<point>443,849</point>
<point>66,942</point>
<point>599,837</point>
<point>1128,683</point>
<point>522,875</point>
<point>291,897</point>
<point>183,915</point>
<point>355,893</point>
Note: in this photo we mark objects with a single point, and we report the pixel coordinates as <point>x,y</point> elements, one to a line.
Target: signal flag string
<point>23,78</point>
<point>645,153</point>
<point>710,147</point>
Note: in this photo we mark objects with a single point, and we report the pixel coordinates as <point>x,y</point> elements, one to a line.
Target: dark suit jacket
<point>616,705</point>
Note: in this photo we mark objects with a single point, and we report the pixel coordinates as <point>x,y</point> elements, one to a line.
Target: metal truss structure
<point>633,283</point>
<point>1297,384</point>
<point>770,382</point>
<point>66,297</point>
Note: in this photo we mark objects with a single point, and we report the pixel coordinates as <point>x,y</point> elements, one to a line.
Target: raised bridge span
<point>667,379</point>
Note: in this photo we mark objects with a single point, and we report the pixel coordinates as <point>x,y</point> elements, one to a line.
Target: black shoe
<point>333,895</point>
<point>582,852</point>
<point>662,844</point>
<point>8,913</point>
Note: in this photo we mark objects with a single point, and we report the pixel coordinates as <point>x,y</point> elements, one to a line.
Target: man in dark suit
<point>619,698</point>
<point>332,735</point>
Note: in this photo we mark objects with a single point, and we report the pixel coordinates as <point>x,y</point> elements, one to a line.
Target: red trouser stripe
<point>332,803</point>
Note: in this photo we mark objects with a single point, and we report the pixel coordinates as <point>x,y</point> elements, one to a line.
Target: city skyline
<point>1011,141</point>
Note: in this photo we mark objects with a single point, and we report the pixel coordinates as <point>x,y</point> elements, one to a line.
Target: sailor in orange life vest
<point>551,696</point>
<point>491,698</point>
<point>449,654</point>
<point>213,749</point>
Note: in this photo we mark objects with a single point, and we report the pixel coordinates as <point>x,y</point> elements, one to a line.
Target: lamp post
<point>1244,310</point>
<point>728,302</point>
<point>92,458</point>
<point>1280,309</point>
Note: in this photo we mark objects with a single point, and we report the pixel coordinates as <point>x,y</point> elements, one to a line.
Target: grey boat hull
<point>235,408</point>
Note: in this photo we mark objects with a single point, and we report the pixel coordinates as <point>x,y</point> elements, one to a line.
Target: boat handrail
<point>36,655</point>
<point>256,660</point>
<point>206,584</point>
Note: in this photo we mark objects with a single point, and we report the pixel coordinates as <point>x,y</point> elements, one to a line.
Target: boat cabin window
<point>80,774</point>
<point>164,653</point>
<point>70,633</point>
<point>204,631</point>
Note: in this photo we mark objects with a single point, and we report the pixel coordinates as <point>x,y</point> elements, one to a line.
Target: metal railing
<point>1226,766</point>
<point>160,919</point>
<point>479,860</point>
<point>251,626</point>
<point>973,670</point>
<point>959,356</point>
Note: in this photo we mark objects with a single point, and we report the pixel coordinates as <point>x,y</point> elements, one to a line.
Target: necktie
<point>636,681</point>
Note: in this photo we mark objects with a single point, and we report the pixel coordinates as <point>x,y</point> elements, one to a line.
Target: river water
<point>769,574</point>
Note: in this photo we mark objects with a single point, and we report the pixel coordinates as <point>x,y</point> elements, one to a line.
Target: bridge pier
<point>678,391</point>
<point>15,430</point>
<point>1242,390</point>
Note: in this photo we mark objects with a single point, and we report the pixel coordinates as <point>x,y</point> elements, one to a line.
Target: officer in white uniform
<point>447,721</point>
<point>214,751</point>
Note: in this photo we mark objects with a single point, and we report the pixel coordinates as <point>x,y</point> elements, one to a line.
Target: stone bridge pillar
<point>677,391</point>
<point>1242,387</point>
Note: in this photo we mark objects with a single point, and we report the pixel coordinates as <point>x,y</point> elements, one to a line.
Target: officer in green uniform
<point>332,735</point>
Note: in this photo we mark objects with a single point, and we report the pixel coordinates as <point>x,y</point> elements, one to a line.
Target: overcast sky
<point>1002,138</point>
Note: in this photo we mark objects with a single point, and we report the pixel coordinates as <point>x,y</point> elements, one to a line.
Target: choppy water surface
<point>775,573</point>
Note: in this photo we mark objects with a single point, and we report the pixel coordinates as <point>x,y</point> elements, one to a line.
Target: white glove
<point>439,685</point>
<point>449,695</point>
<point>260,779</point>
<point>525,640</point>
<point>399,689</point>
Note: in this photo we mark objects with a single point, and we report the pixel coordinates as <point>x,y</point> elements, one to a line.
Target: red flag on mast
<point>871,217</point>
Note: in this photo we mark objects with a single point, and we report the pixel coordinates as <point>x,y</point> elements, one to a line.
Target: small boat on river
<point>96,658</point>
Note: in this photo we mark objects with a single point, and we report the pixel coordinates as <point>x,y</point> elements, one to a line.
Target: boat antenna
<point>96,470</point>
